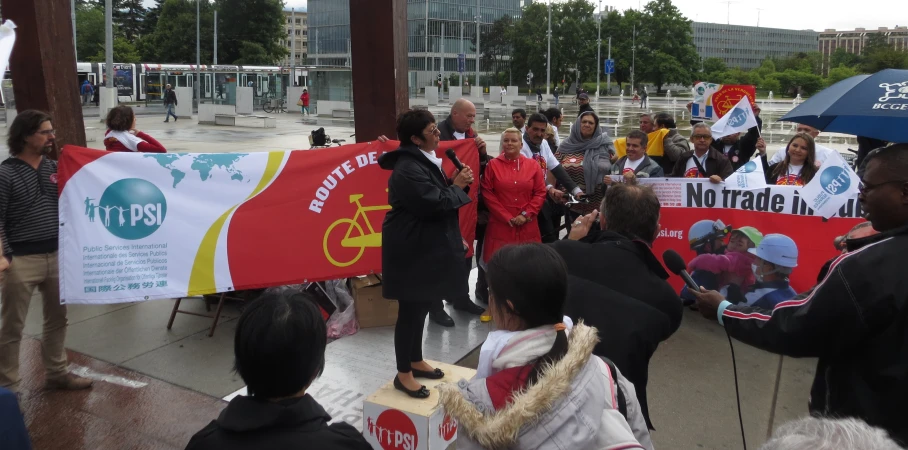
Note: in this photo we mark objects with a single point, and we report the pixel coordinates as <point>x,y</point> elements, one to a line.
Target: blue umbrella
<point>865,105</point>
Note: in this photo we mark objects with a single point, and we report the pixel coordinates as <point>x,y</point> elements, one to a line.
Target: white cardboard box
<point>394,421</point>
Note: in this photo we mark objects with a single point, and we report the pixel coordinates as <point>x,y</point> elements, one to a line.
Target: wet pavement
<point>133,412</point>
<point>691,387</point>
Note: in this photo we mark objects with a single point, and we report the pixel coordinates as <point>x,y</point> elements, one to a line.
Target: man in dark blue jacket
<point>856,320</point>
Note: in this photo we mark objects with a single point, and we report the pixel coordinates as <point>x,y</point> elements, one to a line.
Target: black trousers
<point>411,320</point>
<point>462,294</point>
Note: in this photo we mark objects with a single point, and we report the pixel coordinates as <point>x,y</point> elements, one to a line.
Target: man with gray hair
<point>704,161</point>
<point>812,433</point>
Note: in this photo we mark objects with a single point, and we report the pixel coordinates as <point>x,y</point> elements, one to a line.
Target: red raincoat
<point>510,187</point>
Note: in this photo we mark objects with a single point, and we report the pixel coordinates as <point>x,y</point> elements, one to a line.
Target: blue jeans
<point>170,112</point>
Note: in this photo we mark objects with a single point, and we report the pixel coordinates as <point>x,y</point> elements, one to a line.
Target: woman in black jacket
<point>422,249</point>
<point>280,350</point>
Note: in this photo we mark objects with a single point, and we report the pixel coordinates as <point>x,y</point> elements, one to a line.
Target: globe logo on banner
<point>835,180</point>
<point>750,167</point>
<point>737,117</point>
<point>131,209</point>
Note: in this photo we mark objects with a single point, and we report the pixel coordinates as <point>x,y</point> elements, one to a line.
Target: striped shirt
<point>573,164</point>
<point>28,207</point>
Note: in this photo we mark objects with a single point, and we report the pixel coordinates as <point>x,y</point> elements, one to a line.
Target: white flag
<point>831,187</point>
<point>748,177</point>
<point>740,119</point>
<point>7,39</point>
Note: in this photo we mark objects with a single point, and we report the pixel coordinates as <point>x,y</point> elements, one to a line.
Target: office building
<point>746,47</point>
<point>296,25</point>
<point>854,41</point>
<point>429,53</point>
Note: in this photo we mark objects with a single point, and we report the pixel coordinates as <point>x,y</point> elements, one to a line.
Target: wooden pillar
<point>378,33</point>
<point>43,64</point>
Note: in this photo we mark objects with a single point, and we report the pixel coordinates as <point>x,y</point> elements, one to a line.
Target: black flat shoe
<point>436,374</point>
<point>422,392</point>
<point>442,318</point>
<point>469,307</point>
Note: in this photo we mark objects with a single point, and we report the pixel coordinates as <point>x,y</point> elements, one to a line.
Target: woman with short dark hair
<point>536,386</point>
<point>122,135</point>
<point>422,249</point>
<point>280,350</point>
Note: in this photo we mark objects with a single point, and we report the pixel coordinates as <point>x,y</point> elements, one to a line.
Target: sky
<point>815,15</point>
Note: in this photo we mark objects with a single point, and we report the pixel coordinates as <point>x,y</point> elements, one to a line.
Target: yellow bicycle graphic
<point>360,239</point>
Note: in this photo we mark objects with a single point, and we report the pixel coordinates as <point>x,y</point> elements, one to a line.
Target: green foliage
<point>840,57</point>
<point>840,73</point>
<point>253,53</point>
<point>129,16</point>
<point>124,51</point>
<point>665,46</point>
<point>89,30</point>
<point>174,38</point>
<point>495,44</point>
<point>259,22</point>
<point>885,58</point>
<point>795,81</point>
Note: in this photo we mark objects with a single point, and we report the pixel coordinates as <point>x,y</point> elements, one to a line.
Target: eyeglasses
<point>434,130</point>
<point>701,136</point>
<point>47,132</point>
<point>865,187</point>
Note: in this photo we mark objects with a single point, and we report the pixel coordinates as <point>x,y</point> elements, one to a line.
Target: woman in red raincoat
<point>513,188</point>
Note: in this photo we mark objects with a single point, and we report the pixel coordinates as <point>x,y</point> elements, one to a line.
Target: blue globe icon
<point>132,208</point>
<point>835,180</point>
<point>750,167</point>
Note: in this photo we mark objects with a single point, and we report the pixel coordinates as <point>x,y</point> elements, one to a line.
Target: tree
<point>496,43</point>
<point>794,82</point>
<point>124,51</point>
<point>89,30</point>
<point>129,16</point>
<point>841,57</point>
<point>840,73</point>
<point>253,54</point>
<point>665,34</point>
<point>254,21</point>
<point>714,65</point>
<point>885,58</point>
<point>170,42</point>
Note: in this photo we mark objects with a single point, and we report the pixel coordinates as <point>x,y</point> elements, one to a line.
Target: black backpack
<point>621,399</point>
<point>319,138</point>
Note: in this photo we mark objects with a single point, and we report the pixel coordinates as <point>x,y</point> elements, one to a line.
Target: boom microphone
<point>676,265</point>
<point>453,157</point>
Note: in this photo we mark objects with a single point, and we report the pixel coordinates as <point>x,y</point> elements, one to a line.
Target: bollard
<point>487,125</point>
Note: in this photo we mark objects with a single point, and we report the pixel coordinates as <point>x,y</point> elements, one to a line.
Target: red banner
<point>321,218</point>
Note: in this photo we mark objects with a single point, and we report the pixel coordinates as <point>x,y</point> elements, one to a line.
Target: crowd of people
<point>579,315</point>
<point>744,275</point>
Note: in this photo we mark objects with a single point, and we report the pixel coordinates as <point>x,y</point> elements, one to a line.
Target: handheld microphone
<point>453,157</point>
<point>676,265</point>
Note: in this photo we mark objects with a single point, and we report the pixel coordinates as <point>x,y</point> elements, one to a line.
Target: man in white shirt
<point>555,118</point>
<point>822,152</point>
<point>536,148</point>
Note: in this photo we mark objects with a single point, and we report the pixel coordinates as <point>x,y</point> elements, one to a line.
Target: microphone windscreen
<point>673,261</point>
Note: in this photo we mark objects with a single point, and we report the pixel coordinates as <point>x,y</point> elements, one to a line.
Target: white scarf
<point>128,140</point>
<point>526,346</point>
<point>434,159</point>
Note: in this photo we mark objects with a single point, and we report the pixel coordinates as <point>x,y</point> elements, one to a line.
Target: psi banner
<point>148,226</point>
<point>773,209</point>
<point>712,101</point>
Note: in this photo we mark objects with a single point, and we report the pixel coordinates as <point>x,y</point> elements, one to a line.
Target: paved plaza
<point>157,386</point>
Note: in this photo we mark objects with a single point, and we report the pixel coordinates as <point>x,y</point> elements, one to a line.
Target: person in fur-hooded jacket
<point>538,386</point>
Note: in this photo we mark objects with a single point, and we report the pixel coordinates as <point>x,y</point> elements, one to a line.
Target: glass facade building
<point>746,47</point>
<point>329,32</point>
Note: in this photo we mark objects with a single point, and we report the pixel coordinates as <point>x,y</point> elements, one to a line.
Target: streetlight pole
<point>108,41</point>
<point>478,22</point>
<point>608,83</point>
<point>464,55</point>
<point>428,70</point>
<point>72,4</point>
<point>599,51</point>
<point>292,46</point>
<point>215,59</point>
<point>633,54</point>
<point>198,51</point>
<point>548,57</point>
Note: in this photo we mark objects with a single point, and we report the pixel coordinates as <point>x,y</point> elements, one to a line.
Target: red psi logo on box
<point>447,429</point>
<point>395,431</point>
